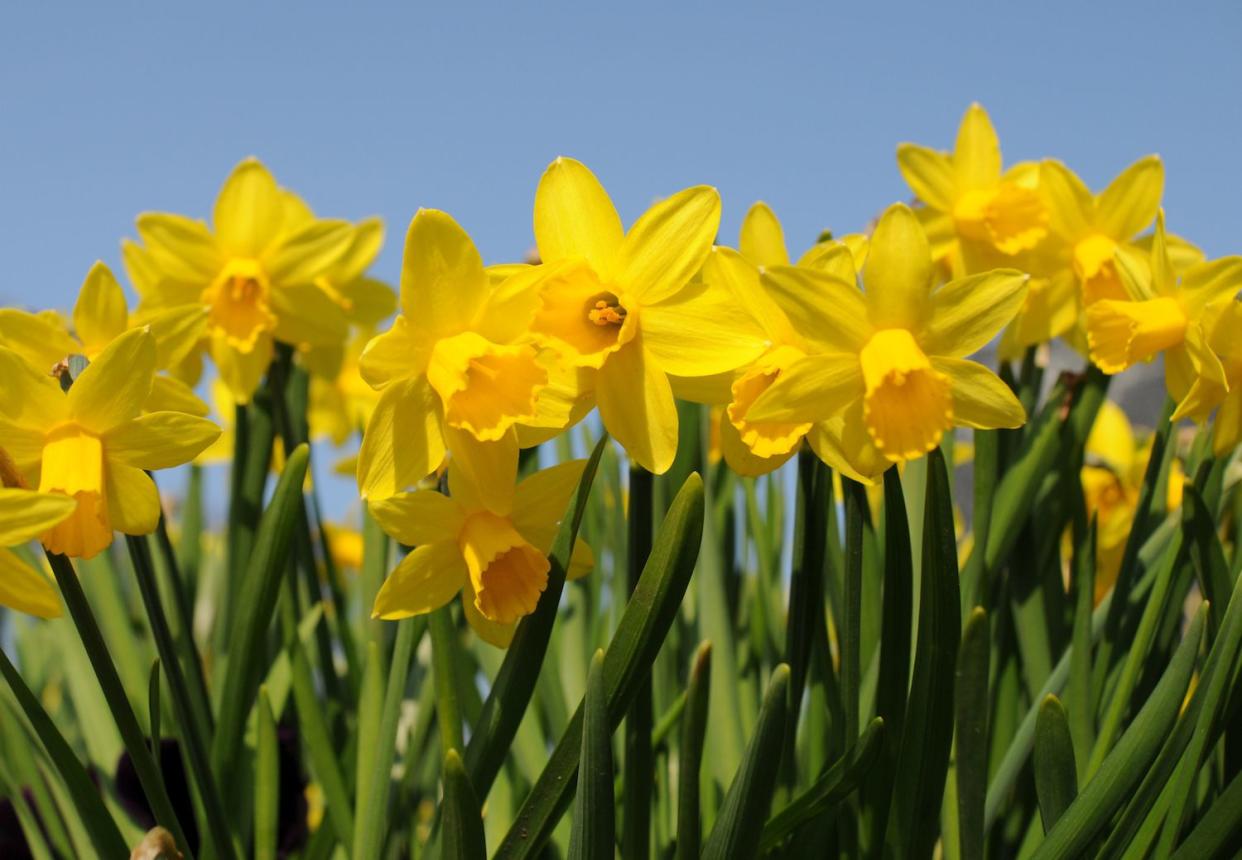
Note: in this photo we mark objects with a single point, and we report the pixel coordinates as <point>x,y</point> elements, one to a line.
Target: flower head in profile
<point>621,308</point>
<point>24,515</point>
<point>254,272</point>
<point>1215,387</point>
<point>93,442</point>
<point>889,375</point>
<point>454,370</point>
<point>1162,312</point>
<point>486,540</point>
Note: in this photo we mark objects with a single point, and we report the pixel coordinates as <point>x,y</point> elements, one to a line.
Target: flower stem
<point>639,761</point>
<point>444,663</point>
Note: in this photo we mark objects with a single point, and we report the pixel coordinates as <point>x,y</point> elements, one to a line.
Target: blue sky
<point>370,109</point>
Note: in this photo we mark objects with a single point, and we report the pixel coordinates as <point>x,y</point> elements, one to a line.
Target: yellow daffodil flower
<point>1220,390</point>
<point>24,515</point>
<point>890,377</point>
<point>1093,226</point>
<point>92,443</point>
<point>762,241</point>
<point>454,370</point>
<point>489,546</point>
<point>620,307</point>
<point>341,401</point>
<point>986,205</point>
<point>255,273</point>
<point>1161,313</point>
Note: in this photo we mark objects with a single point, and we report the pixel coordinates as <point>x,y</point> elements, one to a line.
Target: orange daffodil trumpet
<point>92,442</point>
<point>490,546</point>
<point>890,376</point>
<point>621,307</point>
<point>254,274</point>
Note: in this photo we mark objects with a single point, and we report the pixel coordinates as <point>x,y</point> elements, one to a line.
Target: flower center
<point>508,574</point>
<point>73,465</point>
<point>581,318</point>
<point>238,302</point>
<point>607,311</point>
<point>485,387</point>
<point>908,404</point>
<point>1123,333</point>
<point>1096,269</point>
<point>1009,216</point>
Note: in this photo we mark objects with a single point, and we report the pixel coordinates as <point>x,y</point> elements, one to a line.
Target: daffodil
<point>1219,390</point>
<point>489,546</point>
<point>1161,313</point>
<point>621,307</point>
<point>24,515</point>
<point>254,272</point>
<point>889,377</point>
<point>454,370</point>
<point>761,240</point>
<point>341,401</point>
<point>93,442</point>
<point>100,315</point>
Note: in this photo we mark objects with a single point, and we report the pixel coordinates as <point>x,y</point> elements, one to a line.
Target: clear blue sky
<point>111,109</point>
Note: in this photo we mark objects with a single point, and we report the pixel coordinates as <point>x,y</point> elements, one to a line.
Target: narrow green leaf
<point>1219,829</point>
<point>971,719</point>
<point>594,822</point>
<point>445,643</point>
<point>1207,555</point>
<point>153,706</point>
<point>850,616</point>
<point>806,587</point>
<point>1124,767</point>
<point>1081,701</point>
<point>267,781</point>
<point>463,822</point>
<point>1056,774</point>
<point>739,826</point>
<point>370,714</point>
<point>638,638</point>
<point>639,762</point>
<point>690,758</point>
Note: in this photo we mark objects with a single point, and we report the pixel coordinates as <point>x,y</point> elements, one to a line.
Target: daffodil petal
<point>821,309</point>
<point>173,395</point>
<point>495,633</point>
<point>540,501</point>
<point>899,270</point>
<point>481,474</point>
<point>160,440</point>
<point>241,370</point>
<point>114,386</point>
<point>701,331</point>
<point>249,210</point>
<point>443,284</point>
<point>575,218</point>
<point>668,244</point>
<point>182,248</point>
<point>28,398</point>
<point>761,240</point>
<point>133,501</point>
<point>844,444</point>
<point>714,390</point>
<point>370,301</point>
<point>811,389</point>
<point>306,316</point>
<point>364,246</point>
<point>25,589</point>
<point>1130,201</point>
<point>178,332</point>
<point>967,313</point>
<point>392,355</point>
<point>418,518</point>
<point>980,399</point>
<point>741,459</point>
<point>929,174</point>
<point>976,152</point>
<point>1207,283</point>
<point>731,273</point>
<point>511,306</point>
<point>1071,207</point>
<point>37,339</point>
<point>426,579</point>
<point>636,404</point>
<point>403,443</point>
<point>1227,434</point>
<point>24,514</point>
<point>308,253</point>
<point>100,313</point>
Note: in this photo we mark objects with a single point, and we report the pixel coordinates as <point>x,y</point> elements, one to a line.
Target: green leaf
<point>445,643</point>
<point>153,706</point>
<point>1217,831</point>
<point>690,755</point>
<point>639,762</point>
<point>267,781</point>
<point>739,826</point>
<point>1103,793</point>
<point>923,759</point>
<point>462,837</point>
<point>594,824</point>
<point>1056,774</point>
<point>850,616</point>
<point>971,709</point>
<point>639,635</point>
<point>510,693</point>
<point>1081,701</point>
<point>370,714</point>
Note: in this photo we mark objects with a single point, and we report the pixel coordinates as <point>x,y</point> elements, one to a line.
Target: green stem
<point>132,735</point>
<point>639,760</point>
<point>851,611</point>
<point>443,667</point>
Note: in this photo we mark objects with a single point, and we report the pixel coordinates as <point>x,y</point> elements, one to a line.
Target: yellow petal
<point>637,408</point>
<point>908,404</point>
<point>100,313</point>
<point>26,513</point>
<point>507,573</point>
<point>21,450</point>
<point>364,246</point>
<point>1071,207</point>
<point>512,305</point>
<point>668,244</point>
<point>567,398</point>
<point>741,459</point>
<point>485,388</point>
<point>133,501</point>
<point>86,532</point>
<point>160,440</point>
<point>581,318</point>
<point>249,210</point>
<point>36,338</point>
<point>418,518</point>
<point>28,397</point>
<point>481,474</point>
<point>980,399</point>
<point>714,390</point>
<point>811,389</point>
<point>369,301</point>
<point>25,589</point>
<point>403,443</point>
<point>494,633</point>
<point>929,174</point>
<point>762,241</point>
<point>899,270</point>
<point>178,247</point>
<point>823,310</point>
<point>173,395</point>
<point>178,332</point>
<point>309,253</point>
<point>967,313</point>
<point>1121,333</point>
<point>701,331</point>
<point>1227,434</point>
<point>392,355</point>
<point>541,500</point>
<point>574,217</point>
<point>443,284</point>
<point>976,154</point>
<point>1129,203</point>
<point>1211,282</point>
<point>844,444</point>
<point>114,386</point>
<point>241,370</point>
<point>732,274</point>
<point>426,579</point>
<point>764,438</point>
<point>305,316</point>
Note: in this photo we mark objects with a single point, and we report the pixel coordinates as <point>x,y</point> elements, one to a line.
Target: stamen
<point>606,314</point>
